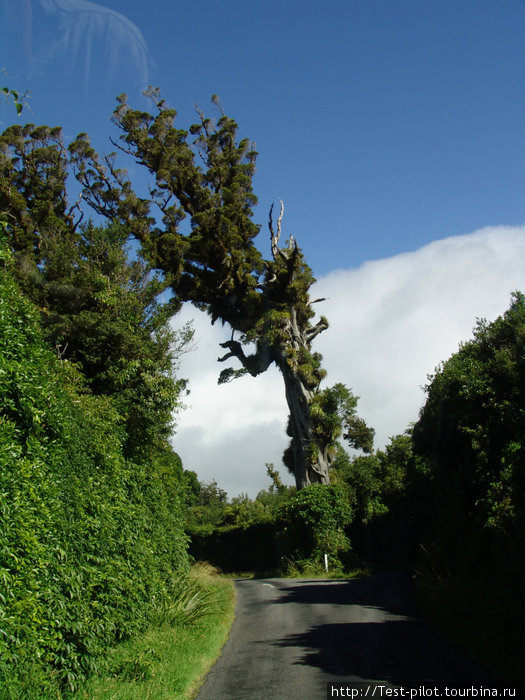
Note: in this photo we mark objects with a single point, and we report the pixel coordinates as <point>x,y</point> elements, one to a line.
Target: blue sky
<point>394,131</point>
<point>383,124</point>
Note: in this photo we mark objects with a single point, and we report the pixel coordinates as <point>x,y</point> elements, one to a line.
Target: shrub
<point>312,523</point>
<point>89,542</point>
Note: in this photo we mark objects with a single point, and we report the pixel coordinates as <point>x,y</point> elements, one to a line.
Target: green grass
<point>171,659</point>
<point>308,571</point>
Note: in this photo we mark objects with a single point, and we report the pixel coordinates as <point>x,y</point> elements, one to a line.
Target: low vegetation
<point>170,659</point>
<point>91,543</point>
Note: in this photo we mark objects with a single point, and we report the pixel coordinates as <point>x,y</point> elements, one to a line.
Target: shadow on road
<point>395,651</point>
<point>392,592</point>
<point>379,638</point>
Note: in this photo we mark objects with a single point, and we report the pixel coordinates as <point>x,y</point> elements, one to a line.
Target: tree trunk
<point>310,464</point>
<point>310,460</point>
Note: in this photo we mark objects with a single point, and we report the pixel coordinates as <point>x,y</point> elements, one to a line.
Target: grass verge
<point>305,572</point>
<point>171,659</point>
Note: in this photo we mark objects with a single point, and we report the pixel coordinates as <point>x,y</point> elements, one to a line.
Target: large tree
<point>205,174</point>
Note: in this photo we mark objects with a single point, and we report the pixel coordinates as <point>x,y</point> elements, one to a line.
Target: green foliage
<point>188,603</point>
<point>312,523</point>
<point>33,173</point>
<point>170,660</point>
<point>10,94</point>
<point>470,431</point>
<point>388,493</point>
<point>333,412</point>
<point>240,534</point>
<point>362,480</point>
<point>248,546</point>
<point>102,312</point>
<point>470,440</point>
<point>99,305</point>
<point>88,541</point>
<point>373,481</point>
<point>205,174</point>
<point>208,506</point>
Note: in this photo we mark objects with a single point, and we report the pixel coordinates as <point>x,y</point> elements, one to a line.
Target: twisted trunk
<point>310,459</point>
<point>310,464</point>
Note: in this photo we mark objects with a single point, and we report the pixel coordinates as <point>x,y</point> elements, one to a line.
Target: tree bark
<point>311,464</point>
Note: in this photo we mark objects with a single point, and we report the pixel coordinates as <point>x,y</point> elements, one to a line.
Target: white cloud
<point>229,431</point>
<point>391,322</point>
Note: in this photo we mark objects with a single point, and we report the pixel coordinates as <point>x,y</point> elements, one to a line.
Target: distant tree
<point>208,506</point>
<point>193,487</point>
<point>211,493</point>
<point>277,485</point>
<point>206,175</point>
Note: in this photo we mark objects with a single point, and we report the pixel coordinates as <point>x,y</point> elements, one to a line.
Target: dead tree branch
<point>255,364</point>
<point>276,236</point>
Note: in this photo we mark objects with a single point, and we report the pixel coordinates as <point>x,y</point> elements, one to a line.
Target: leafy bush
<point>312,524</point>
<point>89,542</point>
<point>470,434</point>
<point>388,493</point>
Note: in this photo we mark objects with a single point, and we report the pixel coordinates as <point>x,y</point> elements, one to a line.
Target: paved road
<point>291,636</point>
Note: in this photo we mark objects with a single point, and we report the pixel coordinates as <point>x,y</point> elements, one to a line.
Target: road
<point>291,636</point>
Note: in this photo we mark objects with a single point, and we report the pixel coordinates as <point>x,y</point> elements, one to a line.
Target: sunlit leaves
<point>89,542</point>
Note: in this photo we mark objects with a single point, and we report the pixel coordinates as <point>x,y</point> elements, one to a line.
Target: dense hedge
<point>89,542</point>
<point>252,547</point>
<point>471,432</point>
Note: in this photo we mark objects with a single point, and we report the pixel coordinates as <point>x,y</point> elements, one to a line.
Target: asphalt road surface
<point>291,636</point>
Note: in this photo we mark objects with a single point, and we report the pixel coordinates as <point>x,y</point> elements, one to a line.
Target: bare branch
<point>270,223</point>
<point>217,102</point>
<point>255,364</point>
<point>76,205</point>
<point>279,220</point>
<point>276,236</point>
<point>207,124</point>
<point>319,327</point>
